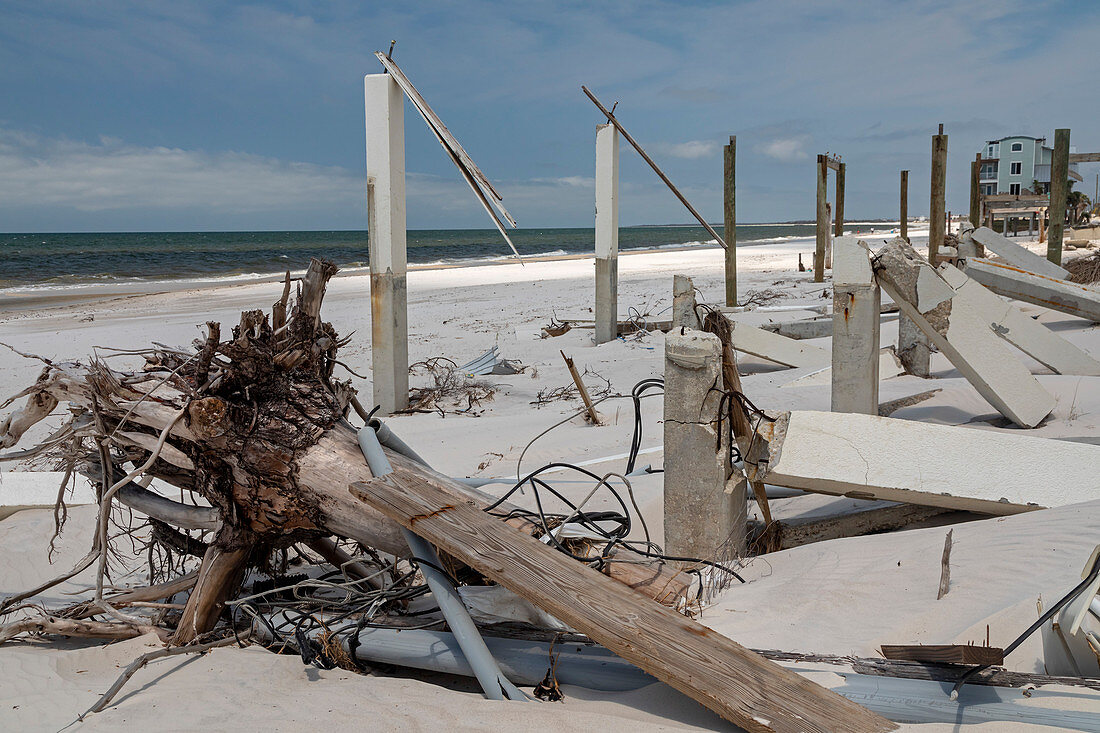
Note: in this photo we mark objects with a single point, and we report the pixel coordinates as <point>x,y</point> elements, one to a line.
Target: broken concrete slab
<point>871,457</point>
<point>1016,255</point>
<point>888,366</point>
<point>813,328</point>
<point>780,349</point>
<point>1019,284</point>
<point>962,335</point>
<point>1020,330</point>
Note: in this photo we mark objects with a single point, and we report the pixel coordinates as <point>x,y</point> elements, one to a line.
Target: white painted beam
<point>1016,255</point>
<point>1017,328</point>
<point>385,142</point>
<point>870,457</point>
<point>963,336</point>
<point>607,233</point>
<point>1018,284</point>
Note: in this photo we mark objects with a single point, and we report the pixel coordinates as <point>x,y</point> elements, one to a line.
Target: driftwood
<point>256,426</point>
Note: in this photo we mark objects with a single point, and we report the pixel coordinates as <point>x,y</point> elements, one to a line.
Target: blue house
<point>1017,164</point>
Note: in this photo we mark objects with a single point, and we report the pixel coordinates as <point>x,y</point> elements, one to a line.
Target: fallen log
<point>255,425</point>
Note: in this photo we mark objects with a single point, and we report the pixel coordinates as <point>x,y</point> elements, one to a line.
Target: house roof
<point>1017,137</point>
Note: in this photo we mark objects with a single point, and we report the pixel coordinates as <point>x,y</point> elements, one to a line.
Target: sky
<point>121,115</point>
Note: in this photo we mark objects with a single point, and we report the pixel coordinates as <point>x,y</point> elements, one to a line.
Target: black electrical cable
<point>636,396</point>
<point>1047,615</point>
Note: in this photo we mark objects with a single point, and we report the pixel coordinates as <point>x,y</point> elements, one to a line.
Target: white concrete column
<point>701,519</point>
<point>607,233</point>
<point>385,137</point>
<point>856,306</point>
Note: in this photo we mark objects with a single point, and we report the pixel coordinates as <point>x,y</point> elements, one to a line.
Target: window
<point>990,151</point>
<point>1014,189</point>
<point>1016,168</point>
<point>1017,147</point>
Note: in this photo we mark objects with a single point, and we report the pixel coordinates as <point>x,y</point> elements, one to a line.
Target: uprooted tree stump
<point>256,425</point>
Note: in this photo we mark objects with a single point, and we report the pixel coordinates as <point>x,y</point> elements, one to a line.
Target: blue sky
<point>119,115</point>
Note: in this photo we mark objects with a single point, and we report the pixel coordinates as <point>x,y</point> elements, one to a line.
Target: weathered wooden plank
<point>871,457</point>
<point>734,682</point>
<point>798,532</point>
<point>944,653</point>
<point>1084,157</point>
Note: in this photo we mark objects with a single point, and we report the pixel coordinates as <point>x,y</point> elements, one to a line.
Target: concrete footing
<point>962,335</point>
<point>701,519</point>
<point>856,306</point>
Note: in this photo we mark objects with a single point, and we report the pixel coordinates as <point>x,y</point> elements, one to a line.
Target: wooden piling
<point>822,219</point>
<point>938,205</point>
<point>1059,180</point>
<point>838,230</point>
<point>976,191</point>
<point>730,232</point>
<point>904,215</point>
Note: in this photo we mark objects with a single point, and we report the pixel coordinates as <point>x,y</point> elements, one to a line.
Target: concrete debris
<point>962,335</point>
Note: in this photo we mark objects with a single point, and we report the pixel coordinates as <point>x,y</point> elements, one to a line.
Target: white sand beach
<point>839,597</point>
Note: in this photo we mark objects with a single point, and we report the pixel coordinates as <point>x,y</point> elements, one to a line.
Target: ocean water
<point>59,261</point>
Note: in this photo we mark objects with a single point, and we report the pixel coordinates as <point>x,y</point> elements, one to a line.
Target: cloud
<point>785,149</point>
<point>690,150</point>
<point>111,175</point>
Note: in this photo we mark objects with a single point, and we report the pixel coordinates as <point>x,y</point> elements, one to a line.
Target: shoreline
<point>91,293</point>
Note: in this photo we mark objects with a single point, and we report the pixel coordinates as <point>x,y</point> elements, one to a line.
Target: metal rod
<point>658,171</point>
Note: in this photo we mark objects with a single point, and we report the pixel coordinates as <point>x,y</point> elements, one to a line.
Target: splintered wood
<point>731,680</point>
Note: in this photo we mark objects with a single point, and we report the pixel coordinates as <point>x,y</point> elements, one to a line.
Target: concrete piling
<point>856,306</point>
<point>700,518</point>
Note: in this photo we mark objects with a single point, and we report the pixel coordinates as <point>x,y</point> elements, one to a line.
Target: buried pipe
<point>389,439</point>
<point>582,664</point>
<point>485,668</point>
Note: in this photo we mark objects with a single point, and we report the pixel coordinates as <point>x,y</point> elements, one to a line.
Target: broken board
<point>1017,328</point>
<point>871,457</point>
<point>734,682</point>
<point>1016,255</point>
<point>945,653</point>
<point>773,347</point>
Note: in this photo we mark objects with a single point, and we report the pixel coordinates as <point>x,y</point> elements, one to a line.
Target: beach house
<point>1017,164</point>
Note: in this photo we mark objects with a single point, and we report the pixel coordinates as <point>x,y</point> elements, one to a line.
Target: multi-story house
<point>1017,164</point>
